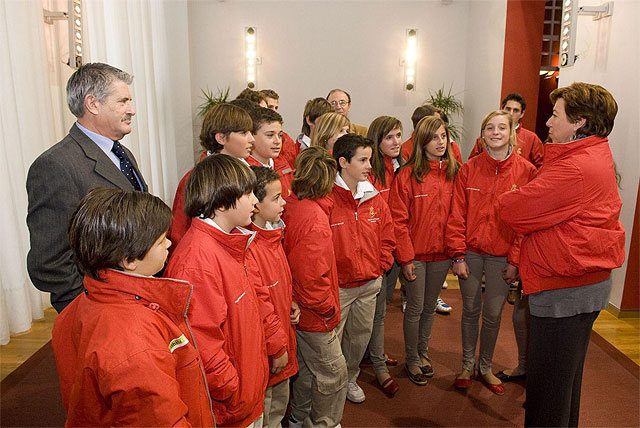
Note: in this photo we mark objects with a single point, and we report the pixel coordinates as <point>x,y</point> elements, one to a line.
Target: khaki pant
<point>320,387</point>
<point>495,294</point>
<point>276,398</point>
<point>422,297</point>
<point>357,308</point>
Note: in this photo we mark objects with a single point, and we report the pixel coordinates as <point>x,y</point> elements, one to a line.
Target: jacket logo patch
<point>336,224</point>
<point>473,188</point>
<point>513,187</point>
<point>273,285</point>
<point>372,212</point>
<point>519,151</point>
<point>178,342</point>
<point>420,196</point>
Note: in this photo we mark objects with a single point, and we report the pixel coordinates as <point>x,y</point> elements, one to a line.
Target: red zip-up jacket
<point>363,235</point>
<point>226,320</point>
<point>181,222</point>
<point>420,212</point>
<point>275,279</point>
<point>407,148</point>
<point>282,168</point>
<point>126,355</point>
<point>569,216</point>
<point>289,151</point>
<point>528,146</point>
<point>309,249</point>
<point>389,175</point>
<point>475,223</point>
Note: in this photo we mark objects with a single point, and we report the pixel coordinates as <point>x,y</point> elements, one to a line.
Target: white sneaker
<point>442,307</point>
<point>445,284</point>
<point>355,394</point>
<point>294,423</point>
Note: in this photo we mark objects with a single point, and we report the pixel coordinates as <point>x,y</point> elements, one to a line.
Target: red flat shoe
<point>465,383</point>
<point>389,387</point>
<point>497,389</point>
<point>391,362</point>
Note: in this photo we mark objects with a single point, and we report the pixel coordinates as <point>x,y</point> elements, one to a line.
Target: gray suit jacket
<point>56,182</point>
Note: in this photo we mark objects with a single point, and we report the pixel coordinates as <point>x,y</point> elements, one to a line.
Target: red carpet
<point>30,395</point>
<point>610,391</point>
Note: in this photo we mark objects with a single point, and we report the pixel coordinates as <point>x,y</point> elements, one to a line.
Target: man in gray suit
<point>89,156</point>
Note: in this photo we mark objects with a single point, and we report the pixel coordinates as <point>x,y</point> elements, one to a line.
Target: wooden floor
<point>623,333</point>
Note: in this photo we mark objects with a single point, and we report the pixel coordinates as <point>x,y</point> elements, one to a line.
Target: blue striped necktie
<point>125,165</point>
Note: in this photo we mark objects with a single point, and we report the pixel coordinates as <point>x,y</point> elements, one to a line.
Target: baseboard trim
<point>623,313</point>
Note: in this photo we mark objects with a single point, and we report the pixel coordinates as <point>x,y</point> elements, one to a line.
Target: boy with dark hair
<point>363,238</point>
<point>255,96</point>
<point>273,285</point>
<point>226,129</point>
<point>121,360</point>
<point>319,390</point>
<point>529,145</point>
<point>313,109</point>
<point>267,145</point>
<point>226,315</point>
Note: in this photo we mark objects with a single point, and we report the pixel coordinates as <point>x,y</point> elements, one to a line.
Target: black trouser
<point>557,348</point>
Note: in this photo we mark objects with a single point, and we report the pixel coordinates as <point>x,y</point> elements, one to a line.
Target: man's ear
<point>343,162</point>
<point>220,138</point>
<point>521,115</point>
<point>129,266</point>
<point>91,104</point>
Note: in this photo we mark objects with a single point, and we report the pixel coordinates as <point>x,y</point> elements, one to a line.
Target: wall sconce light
<point>410,60</point>
<point>74,18</point>
<point>570,12</point>
<point>252,60</point>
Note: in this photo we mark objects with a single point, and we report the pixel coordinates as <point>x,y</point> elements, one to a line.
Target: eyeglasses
<point>341,103</point>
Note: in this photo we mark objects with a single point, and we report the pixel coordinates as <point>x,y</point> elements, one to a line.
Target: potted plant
<point>450,105</point>
<point>210,99</point>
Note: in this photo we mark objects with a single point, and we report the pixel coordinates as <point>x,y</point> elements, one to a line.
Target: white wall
<point>484,60</point>
<point>609,54</point>
<point>310,47</point>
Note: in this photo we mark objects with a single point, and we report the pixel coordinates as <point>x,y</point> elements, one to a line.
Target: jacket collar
<point>496,164</point>
<point>236,243</point>
<point>364,191</point>
<point>272,236</point>
<point>172,295</point>
<point>103,165</point>
<point>555,150</point>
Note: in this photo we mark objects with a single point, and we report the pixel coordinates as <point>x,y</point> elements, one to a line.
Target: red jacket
<point>569,216</point>
<point>420,212</point>
<point>181,222</point>
<point>289,150</point>
<point>274,283</point>
<point>309,249</point>
<point>126,356</point>
<point>363,236</point>
<point>528,146</point>
<point>474,223</point>
<point>407,148</point>
<point>282,168</point>
<point>389,175</point>
<point>226,320</point>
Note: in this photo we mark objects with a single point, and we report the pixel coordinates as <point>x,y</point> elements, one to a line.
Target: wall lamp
<point>252,60</point>
<point>73,15</point>
<point>410,60</point>
<point>570,12</point>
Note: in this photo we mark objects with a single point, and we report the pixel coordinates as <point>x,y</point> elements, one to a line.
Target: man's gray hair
<point>95,79</point>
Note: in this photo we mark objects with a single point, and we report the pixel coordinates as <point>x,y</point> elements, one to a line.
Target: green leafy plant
<point>447,102</point>
<point>211,100</point>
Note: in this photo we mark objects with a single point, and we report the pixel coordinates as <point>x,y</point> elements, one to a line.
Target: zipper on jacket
<point>356,213</point>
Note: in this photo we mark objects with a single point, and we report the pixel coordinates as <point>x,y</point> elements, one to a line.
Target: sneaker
<point>442,307</point>
<point>445,284</point>
<point>355,394</point>
<point>293,423</point>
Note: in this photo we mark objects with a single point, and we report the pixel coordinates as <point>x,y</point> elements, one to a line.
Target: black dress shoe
<point>427,370</point>
<point>418,379</point>
<point>508,378</point>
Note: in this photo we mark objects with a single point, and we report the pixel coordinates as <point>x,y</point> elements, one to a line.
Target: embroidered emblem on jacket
<point>513,187</point>
<point>372,212</point>
<point>178,342</point>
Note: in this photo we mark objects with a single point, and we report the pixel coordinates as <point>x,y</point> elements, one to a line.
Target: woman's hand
<point>409,272</point>
<point>295,313</point>
<point>278,364</point>
<point>510,274</point>
<point>461,270</point>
